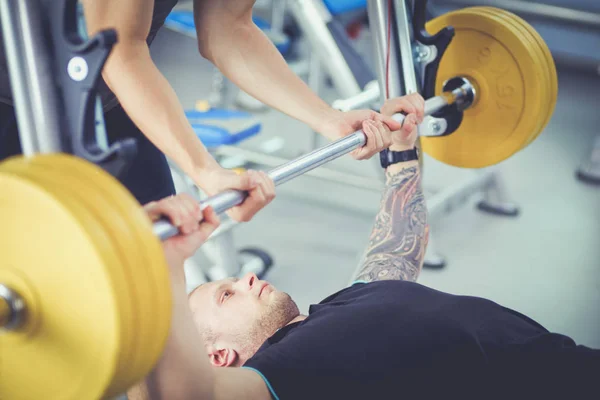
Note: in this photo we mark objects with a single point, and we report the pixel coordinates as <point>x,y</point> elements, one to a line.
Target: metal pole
<point>313,17</point>
<point>396,67</point>
<point>9,12</point>
<point>390,79</point>
<point>231,198</point>
<point>456,195</point>
<point>12,309</point>
<point>32,81</point>
<point>391,19</point>
<point>42,88</point>
<point>402,12</point>
<point>327,174</point>
<point>278,16</point>
<point>364,99</point>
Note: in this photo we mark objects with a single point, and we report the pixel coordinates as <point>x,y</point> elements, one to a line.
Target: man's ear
<point>225,357</point>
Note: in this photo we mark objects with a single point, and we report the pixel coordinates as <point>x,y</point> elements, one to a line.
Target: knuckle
<point>245,216</point>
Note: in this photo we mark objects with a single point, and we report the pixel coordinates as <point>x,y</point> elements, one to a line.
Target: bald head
<point>240,314</point>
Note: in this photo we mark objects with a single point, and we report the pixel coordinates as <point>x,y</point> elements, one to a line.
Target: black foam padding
<point>485,207</point>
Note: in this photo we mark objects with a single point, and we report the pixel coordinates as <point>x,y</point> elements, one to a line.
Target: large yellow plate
<point>150,269</point>
<point>69,174</point>
<point>145,267</point>
<point>136,284</point>
<point>498,61</point>
<point>535,49</point>
<point>55,255</point>
<point>549,64</point>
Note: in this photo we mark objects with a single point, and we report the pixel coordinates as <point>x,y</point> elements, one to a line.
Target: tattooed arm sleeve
<point>399,238</point>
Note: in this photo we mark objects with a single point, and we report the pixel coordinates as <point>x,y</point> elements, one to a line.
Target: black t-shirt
<point>393,339</point>
<point>162,9</point>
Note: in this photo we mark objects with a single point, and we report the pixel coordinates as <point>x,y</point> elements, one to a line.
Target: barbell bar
<point>12,310</point>
<point>463,96</point>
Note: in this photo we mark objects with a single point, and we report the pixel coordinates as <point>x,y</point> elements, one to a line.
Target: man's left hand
<point>345,123</point>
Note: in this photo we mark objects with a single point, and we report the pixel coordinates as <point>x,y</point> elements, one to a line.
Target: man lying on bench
<point>384,337</point>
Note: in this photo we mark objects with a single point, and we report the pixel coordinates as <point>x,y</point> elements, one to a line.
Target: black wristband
<point>388,157</point>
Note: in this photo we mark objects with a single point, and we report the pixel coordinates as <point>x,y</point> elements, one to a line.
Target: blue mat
<point>218,127</point>
<point>343,6</point>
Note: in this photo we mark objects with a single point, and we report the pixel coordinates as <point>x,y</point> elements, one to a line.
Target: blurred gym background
<point>544,263</point>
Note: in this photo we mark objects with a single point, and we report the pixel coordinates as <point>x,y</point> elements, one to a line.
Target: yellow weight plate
<point>55,256</point>
<point>497,61</point>
<point>535,51</point>
<point>93,191</point>
<point>150,287</point>
<point>59,182</point>
<point>139,288</point>
<point>154,312</point>
<point>157,310</point>
<point>90,194</point>
<point>60,173</point>
<point>551,82</point>
<point>550,65</point>
<point>160,314</point>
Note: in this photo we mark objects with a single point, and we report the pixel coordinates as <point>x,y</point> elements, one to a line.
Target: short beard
<point>279,314</point>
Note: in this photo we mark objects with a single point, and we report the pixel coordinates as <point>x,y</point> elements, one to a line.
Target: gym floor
<point>545,263</point>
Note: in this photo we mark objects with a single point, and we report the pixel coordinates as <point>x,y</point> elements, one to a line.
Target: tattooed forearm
<point>398,240</point>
